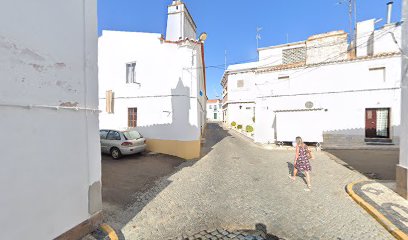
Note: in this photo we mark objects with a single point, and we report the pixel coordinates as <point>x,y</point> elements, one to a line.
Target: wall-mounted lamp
<point>203,37</point>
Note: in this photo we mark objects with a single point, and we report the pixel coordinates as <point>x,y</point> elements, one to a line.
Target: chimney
<point>389,11</point>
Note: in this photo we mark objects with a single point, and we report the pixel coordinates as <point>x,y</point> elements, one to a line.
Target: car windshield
<point>132,135</point>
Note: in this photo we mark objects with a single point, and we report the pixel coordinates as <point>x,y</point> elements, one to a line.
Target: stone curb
<point>387,224</point>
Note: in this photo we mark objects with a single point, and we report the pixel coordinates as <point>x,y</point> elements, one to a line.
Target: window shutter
<point>109,101</point>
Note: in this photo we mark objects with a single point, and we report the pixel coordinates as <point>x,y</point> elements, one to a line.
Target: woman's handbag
<point>308,153</point>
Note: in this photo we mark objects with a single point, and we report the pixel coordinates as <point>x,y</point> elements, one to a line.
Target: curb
<point>109,231</point>
<point>387,224</point>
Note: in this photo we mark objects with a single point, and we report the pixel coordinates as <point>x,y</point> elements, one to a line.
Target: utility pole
<point>402,167</point>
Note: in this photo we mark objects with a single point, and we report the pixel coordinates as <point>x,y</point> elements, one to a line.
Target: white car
<point>118,143</point>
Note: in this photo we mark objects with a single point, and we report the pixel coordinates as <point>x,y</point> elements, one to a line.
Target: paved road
<point>239,184</point>
<point>377,164</point>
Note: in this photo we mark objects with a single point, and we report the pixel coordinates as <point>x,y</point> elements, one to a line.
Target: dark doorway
<point>377,123</point>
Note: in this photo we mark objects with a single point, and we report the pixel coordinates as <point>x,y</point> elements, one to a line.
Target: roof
<point>242,66</point>
<point>213,100</point>
<point>282,45</point>
<point>302,64</point>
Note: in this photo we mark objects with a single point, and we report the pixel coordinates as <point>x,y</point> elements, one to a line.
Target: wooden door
<point>371,123</point>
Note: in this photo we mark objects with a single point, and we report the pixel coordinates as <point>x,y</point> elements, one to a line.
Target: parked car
<point>118,143</point>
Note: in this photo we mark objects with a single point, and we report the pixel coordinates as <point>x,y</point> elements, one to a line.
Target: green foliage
<point>239,126</point>
<point>233,124</point>
<point>249,128</point>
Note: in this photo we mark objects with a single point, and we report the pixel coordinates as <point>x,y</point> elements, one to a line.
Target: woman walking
<point>302,164</point>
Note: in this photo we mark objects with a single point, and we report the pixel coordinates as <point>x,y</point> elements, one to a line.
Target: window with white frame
<point>131,72</point>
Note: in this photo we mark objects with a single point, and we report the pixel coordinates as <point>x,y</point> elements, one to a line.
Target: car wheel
<point>115,153</point>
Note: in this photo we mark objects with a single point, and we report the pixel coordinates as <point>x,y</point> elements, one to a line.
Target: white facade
<point>401,170</point>
<point>323,90</point>
<point>180,24</point>
<point>214,111</point>
<point>168,88</point>
<point>338,96</point>
<point>51,169</point>
<point>239,92</point>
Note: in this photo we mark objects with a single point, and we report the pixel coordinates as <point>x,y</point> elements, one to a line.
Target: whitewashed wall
<point>168,98</point>
<point>214,108</point>
<point>241,113</point>
<point>345,90</point>
<point>272,56</point>
<point>50,158</point>
<point>241,96</point>
<point>180,24</point>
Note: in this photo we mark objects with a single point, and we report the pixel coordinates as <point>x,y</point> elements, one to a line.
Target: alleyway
<point>238,184</point>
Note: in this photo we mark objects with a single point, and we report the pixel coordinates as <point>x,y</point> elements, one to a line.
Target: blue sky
<point>231,24</point>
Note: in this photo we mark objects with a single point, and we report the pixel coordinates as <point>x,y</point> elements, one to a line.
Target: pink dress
<point>302,163</point>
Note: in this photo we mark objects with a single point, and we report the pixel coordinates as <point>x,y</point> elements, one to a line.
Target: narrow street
<point>238,184</point>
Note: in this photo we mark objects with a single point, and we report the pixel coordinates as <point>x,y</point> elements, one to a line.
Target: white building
<point>323,88</point>
<point>51,163</point>
<point>239,93</point>
<point>402,172</point>
<point>156,85</point>
<point>214,110</point>
<point>319,90</point>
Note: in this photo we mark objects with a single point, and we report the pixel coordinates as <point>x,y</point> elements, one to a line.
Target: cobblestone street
<point>239,184</point>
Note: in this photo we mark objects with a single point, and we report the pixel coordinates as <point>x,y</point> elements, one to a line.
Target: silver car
<point>118,143</point>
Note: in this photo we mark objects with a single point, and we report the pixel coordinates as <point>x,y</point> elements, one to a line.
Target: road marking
<point>387,224</point>
<point>109,230</point>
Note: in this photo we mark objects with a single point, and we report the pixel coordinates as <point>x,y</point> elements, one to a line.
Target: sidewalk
<point>386,206</point>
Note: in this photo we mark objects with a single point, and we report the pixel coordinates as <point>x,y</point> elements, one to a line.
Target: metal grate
<point>294,55</point>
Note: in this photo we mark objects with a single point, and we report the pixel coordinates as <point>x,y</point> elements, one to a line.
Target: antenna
<point>352,12</point>
<point>258,36</point>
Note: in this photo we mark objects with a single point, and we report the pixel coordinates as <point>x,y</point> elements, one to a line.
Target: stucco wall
<point>345,96</point>
<point>215,108</point>
<point>51,158</point>
<point>404,110</point>
<point>167,96</point>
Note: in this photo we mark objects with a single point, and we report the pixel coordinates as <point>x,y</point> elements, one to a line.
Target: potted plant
<point>239,127</point>
<point>249,129</point>
<point>233,124</point>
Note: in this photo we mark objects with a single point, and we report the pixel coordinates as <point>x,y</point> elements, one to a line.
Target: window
<point>294,55</point>
<point>240,83</point>
<point>248,108</point>
<point>377,74</point>
<point>219,106</point>
<point>131,72</point>
<point>113,135</point>
<point>103,134</point>
<point>210,106</point>
<point>132,135</point>
<point>378,122</point>
<point>132,117</point>
<point>215,107</point>
<point>109,101</point>
<point>215,116</point>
